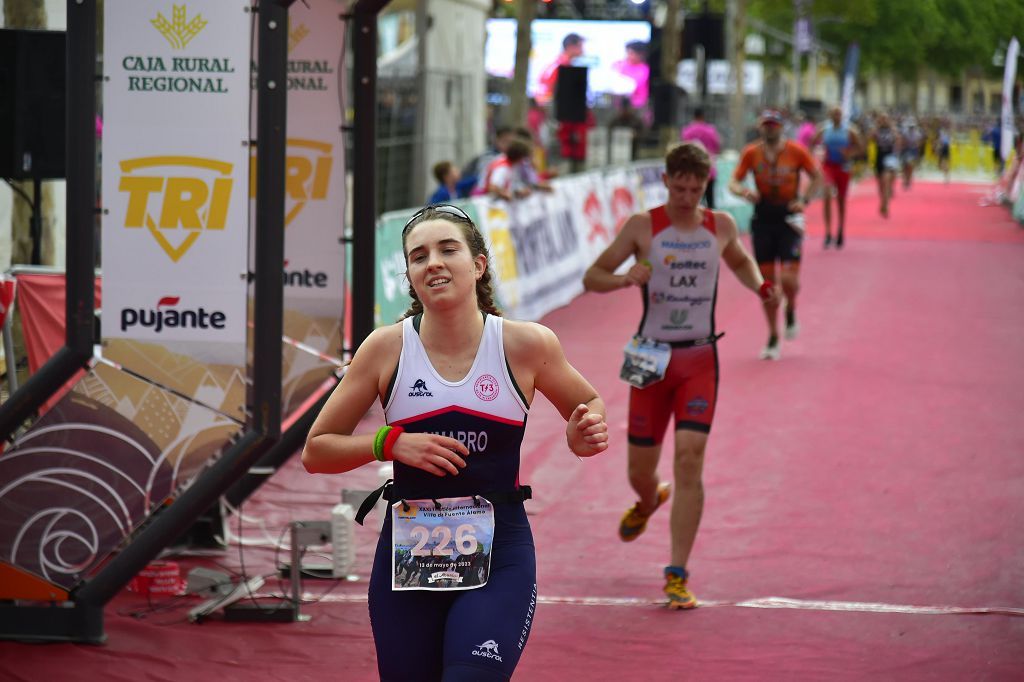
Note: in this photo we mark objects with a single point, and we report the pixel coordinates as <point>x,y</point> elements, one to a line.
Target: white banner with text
<point>175,175</point>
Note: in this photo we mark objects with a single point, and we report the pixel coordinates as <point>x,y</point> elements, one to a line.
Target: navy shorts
<point>462,635</point>
<point>773,239</point>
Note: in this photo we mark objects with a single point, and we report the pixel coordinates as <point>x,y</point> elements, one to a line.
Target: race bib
<point>441,544</point>
<point>645,361</point>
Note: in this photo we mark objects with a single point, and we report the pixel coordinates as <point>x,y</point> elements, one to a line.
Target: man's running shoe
<point>771,351</point>
<point>828,240</point>
<point>679,596</point>
<point>634,522</point>
<point>792,330</point>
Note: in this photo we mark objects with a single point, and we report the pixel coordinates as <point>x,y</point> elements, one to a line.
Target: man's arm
<point>601,275</point>
<point>736,185</point>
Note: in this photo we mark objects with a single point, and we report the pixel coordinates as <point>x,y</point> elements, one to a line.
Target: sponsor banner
<point>314,271</point>
<point>541,239</point>
<point>175,173</point>
<point>622,192</point>
<point>652,188</point>
<point>1006,120</point>
<point>540,246</point>
<point>91,470</point>
<point>390,285</point>
<point>849,81</point>
<point>589,207</point>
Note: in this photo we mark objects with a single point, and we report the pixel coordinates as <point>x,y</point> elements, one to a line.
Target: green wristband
<point>378,443</point>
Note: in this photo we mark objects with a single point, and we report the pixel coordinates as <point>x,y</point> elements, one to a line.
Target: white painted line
<point>760,603</point>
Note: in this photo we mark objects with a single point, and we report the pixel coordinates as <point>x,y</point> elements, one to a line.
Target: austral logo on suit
<point>420,390</point>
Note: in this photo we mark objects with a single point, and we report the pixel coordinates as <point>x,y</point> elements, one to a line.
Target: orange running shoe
<point>634,522</point>
<point>679,596</point>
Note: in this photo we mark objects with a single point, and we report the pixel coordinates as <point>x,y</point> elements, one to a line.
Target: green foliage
<point>907,36</point>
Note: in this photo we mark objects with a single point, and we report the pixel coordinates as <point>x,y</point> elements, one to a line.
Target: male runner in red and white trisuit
<point>677,248</point>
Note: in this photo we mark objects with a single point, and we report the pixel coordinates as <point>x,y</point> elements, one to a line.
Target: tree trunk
<point>737,56</point>
<point>29,14</point>
<point>670,62</point>
<point>517,100</point>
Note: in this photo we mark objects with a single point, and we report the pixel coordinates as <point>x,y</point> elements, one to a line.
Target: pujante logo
<point>307,170</point>
<point>486,387</point>
<point>179,31</point>
<point>190,201</point>
<point>166,314</point>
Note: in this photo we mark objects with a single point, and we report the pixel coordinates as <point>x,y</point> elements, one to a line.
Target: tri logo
<point>187,195</point>
<point>307,174</point>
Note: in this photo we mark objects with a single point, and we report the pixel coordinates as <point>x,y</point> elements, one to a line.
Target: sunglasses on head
<point>437,208</point>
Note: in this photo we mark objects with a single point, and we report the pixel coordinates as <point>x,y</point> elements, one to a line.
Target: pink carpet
<point>879,463</point>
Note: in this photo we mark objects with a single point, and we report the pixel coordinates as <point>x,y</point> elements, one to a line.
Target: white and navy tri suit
<point>424,635</point>
<point>679,309</point>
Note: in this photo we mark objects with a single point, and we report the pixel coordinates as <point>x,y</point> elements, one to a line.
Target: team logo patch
<point>486,387</point>
<point>488,649</point>
<point>420,390</point>
<point>697,406</point>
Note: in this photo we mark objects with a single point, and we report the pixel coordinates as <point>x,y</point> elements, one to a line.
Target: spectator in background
<point>449,187</point>
<point>626,117</point>
<point>994,136</point>
<point>943,141</point>
<point>532,169</point>
<point>536,117</point>
<point>505,177</point>
<point>701,131</point>
<point>635,67</point>
<point>806,131</point>
<point>572,48</point>
<point>476,169</point>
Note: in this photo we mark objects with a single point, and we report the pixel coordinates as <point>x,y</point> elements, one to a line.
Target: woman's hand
<point>438,455</point>
<point>586,432</point>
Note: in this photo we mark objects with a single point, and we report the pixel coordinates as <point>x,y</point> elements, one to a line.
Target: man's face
<point>771,131</point>
<point>574,50</point>
<point>684,190</point>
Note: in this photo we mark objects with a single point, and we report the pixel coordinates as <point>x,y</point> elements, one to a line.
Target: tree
<point>517,100</point>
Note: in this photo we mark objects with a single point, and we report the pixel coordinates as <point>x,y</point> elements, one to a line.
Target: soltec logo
<point>307,171</point>
<point>188,203</point>
<point>166,315</point>
<point>488,649</point>
<point>675,264</point>
<point>179,31</point>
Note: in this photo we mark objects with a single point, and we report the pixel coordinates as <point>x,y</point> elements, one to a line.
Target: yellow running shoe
<point>634,522</point>
<point>679,596</point>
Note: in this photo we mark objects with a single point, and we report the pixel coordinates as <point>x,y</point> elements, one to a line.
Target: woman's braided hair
<point>477,247</point>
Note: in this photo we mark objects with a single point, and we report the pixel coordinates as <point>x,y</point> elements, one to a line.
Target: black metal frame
<point>364,165</point>
<point>82,618</point>
<point>80,260</point>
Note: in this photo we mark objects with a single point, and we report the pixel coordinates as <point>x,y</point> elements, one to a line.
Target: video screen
<point>615,53</point>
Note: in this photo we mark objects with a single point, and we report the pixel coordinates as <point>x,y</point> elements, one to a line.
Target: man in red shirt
<point>572,48</point>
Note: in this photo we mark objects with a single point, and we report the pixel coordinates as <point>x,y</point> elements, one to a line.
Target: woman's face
<point>441,267</point>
